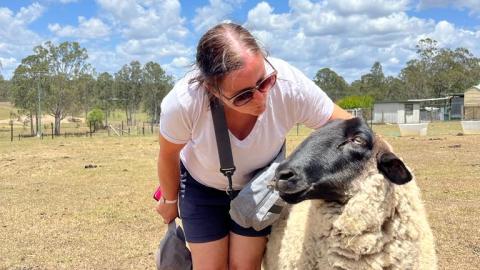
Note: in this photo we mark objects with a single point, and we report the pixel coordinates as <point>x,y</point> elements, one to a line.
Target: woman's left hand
<point>168,211</point>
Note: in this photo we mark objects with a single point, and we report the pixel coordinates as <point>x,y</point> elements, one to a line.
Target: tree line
<point>58,80</point>
<point>436,72</point>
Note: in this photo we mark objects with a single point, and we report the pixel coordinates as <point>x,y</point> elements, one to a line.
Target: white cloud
<point>159,47</point>
<point>262,17</point>
<point>146,19</point>
<point>450,36</point>
<point>151,30</point>
<point>371,8</point>
<point>16,40</point>
<point>87,29</point>
<point>313,35</point>
<point>214,13</point>
<point>181,62</point>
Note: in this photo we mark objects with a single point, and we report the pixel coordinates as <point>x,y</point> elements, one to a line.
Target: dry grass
<point>58,215</point>
<point>55,214</point>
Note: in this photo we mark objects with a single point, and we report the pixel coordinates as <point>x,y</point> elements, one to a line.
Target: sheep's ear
<point>393,168</point>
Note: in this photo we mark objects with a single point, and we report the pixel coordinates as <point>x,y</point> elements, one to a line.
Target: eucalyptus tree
<point>28,81</point>
<point>67,62</point>
<point>104,94</point>
<point>128,88</point>
<point>156,85</point>
<point>373,84</point>
<point>333,84</point>
<point>55,68</point>
<point>4,89</point>
<point>85,98</point>
<point>439,71</point>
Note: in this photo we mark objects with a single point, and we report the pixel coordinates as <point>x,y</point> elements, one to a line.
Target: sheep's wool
<point>383,226</point>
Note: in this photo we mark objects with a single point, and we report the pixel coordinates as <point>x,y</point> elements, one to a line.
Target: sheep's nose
<point>286,174</point>
<point>286,179</point>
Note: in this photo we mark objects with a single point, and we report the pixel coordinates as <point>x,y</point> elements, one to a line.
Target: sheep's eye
<point>359,140</point>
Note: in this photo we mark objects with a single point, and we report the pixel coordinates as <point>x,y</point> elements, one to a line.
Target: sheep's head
<point>324,165</point>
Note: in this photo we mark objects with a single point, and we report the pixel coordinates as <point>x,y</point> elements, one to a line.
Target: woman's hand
<point>168,211</point>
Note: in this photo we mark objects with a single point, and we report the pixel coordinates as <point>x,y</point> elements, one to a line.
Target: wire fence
<point>15,132</point>
<point>18,132</point>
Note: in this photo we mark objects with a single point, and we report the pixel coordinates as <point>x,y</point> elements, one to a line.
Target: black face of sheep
<point>323,165</point>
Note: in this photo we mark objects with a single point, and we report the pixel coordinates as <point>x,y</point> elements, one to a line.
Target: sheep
<point>354,205</point>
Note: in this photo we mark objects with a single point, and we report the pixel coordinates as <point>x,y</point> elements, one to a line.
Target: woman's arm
<point>339,113</point>
<point>168,170</point>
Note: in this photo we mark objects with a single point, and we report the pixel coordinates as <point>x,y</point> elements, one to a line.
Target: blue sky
<point>347,36</point>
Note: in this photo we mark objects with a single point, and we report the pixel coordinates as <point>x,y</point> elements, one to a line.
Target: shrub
<point>353,102</point>
<point>95,117</point>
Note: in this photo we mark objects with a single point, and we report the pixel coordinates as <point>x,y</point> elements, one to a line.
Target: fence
<point>364,113</point>
<point>16,132</point>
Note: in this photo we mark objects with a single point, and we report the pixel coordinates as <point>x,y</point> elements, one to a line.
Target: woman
<point>263,99</point>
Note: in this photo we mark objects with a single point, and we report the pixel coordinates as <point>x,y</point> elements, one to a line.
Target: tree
<point>4,89</point>
<point>85,99</point>
<point>28,80</point>
<point>439,71</point>
<point>67,63</point>
<point>330,82</point>
<point>55,68</point>
<point>156,86</point>
<point>104,94</point>
<point>128,85</point>
<point>395,89</point>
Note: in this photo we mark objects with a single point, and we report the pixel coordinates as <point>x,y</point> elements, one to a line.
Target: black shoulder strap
<point>223,143</point>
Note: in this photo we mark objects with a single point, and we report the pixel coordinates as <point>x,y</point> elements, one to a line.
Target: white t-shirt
<point>186,119</point>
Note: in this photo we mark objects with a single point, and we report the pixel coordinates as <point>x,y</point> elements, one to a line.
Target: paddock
<point>58,214</point>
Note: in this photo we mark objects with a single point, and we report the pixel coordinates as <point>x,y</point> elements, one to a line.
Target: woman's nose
<point>257,95</point>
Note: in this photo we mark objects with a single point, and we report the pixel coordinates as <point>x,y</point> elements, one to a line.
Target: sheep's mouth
<point>315,192</point>
<point>293,198</point>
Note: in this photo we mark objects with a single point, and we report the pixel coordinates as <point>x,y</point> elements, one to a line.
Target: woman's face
<point>247,77</point>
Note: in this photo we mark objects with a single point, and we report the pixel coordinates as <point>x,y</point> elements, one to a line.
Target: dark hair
<point>220,50</point>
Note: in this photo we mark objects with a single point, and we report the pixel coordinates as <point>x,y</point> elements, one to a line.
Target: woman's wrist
<point>165,201</point>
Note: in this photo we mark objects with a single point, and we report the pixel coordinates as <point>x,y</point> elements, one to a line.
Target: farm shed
<point>456,107</point>
<point>396,112</point>
<point>472,103</point>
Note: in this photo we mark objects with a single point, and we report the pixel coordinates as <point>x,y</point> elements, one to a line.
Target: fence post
<point>51,124</point>
<point>122,127</point>
<point>371,117</point>
<point>298,127</point>
<point>11,130</point>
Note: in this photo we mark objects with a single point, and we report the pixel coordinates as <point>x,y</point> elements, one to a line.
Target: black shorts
<point>204,212</point>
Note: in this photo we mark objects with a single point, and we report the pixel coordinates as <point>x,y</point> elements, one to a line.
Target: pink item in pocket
<point>158,194</point>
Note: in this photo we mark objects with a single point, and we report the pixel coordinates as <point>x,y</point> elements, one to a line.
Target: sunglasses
<point>245,96</point>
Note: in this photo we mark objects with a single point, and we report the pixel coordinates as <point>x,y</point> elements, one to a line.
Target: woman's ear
<point>393,168</point>
<point>211,90</point>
